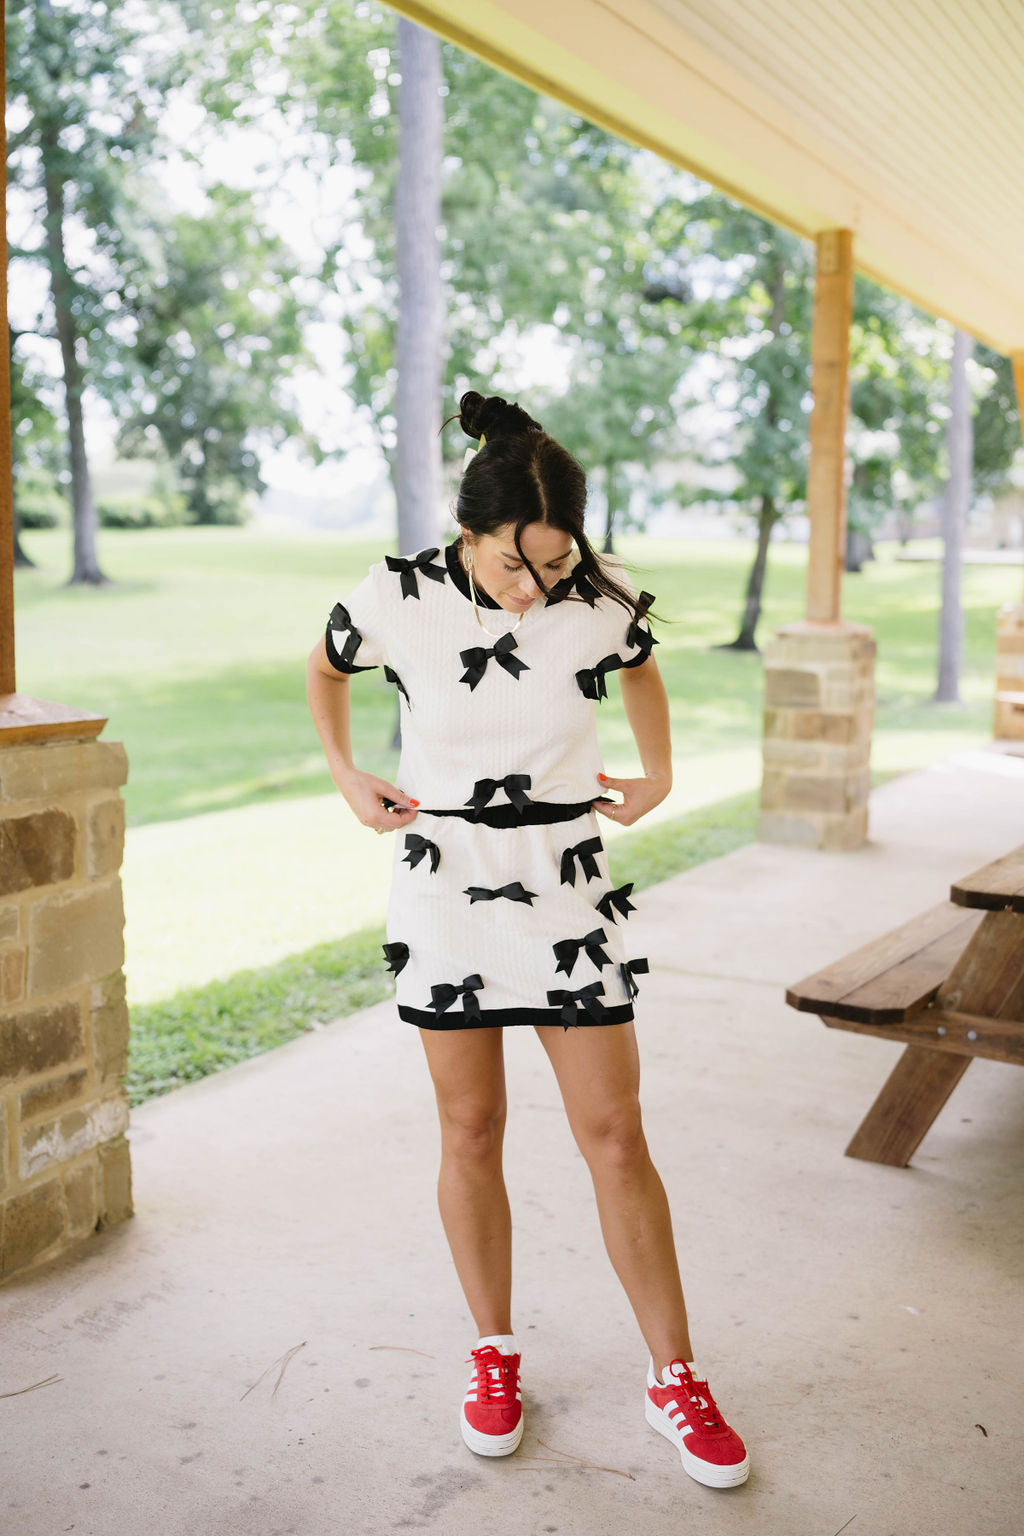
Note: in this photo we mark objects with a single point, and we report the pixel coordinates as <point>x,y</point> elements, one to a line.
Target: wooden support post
<point>830,388</point>
<point>819,674</point>
<point>6,490</point>
<point>1017,359</point>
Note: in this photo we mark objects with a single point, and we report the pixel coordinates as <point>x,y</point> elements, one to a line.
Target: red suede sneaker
<point>685,1413</point>
<point>492,1413</point>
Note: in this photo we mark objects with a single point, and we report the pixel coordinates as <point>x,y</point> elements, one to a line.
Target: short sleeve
<point>356,636</point>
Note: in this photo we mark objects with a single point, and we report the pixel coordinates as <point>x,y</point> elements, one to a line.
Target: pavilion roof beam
<point>636,70</point>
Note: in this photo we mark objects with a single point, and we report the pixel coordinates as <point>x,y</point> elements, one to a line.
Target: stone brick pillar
<point>1009,703</point>
<point>819,708</point>
<point>64,1163</point>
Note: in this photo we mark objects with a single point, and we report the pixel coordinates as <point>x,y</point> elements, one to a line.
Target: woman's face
<point>498,570</point>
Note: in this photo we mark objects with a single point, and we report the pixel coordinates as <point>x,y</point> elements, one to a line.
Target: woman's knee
<point>472,1130</point>
<point>614,1140</point>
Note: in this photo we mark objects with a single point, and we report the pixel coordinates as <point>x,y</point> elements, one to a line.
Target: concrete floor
<point>275,1342</point>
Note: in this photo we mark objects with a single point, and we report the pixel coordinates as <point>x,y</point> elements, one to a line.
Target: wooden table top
<point>999,886</point>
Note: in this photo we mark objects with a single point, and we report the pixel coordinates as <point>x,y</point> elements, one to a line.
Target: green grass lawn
<point>197,655</point>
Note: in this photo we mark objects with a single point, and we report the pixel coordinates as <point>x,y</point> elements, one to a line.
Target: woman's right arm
<point>327,692</point>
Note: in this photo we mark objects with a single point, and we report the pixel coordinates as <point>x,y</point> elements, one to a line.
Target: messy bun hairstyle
<point>523,476</point>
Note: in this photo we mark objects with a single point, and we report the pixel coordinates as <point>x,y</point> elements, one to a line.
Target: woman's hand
<point>366,793</point>
<point>638,797</point>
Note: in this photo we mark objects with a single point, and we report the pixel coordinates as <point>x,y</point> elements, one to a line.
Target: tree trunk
<point>746,639</point>
<point>959,439</point>
<point>20,557</point>
<point>421,298</point>
<point>859,547</point>
<point>199,496</point>
<point>766,516</point>
<point>611,489</point>
<point>83,508</point>
<point>420,331</point>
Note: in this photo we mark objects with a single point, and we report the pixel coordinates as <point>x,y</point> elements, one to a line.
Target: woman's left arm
<point>646,704</point>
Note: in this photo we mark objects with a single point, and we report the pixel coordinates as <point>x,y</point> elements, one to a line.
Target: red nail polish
<point>412,801</point>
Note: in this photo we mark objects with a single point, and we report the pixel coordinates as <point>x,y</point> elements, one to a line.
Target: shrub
<point>142,511</point>
<point>39,500</point>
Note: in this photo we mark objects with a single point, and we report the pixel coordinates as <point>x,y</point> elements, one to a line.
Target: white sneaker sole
<point>701,1471</point>
<point>491,1445</point>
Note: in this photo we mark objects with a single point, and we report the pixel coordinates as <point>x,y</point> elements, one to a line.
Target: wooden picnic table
<point>949,984</point>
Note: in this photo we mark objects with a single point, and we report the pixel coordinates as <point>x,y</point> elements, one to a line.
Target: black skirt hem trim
<point>499,1018</point>
<point>537,813</point>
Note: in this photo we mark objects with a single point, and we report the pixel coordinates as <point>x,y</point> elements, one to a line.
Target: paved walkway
<point>274,1343</point>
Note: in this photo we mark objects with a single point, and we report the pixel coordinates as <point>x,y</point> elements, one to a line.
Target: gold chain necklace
<point>494,634</point>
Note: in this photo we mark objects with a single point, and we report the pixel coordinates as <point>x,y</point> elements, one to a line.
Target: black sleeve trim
<point>341,660</point>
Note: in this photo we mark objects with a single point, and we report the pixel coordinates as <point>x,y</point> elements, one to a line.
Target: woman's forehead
<point>539,542</point>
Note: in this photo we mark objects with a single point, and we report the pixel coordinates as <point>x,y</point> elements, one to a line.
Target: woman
<point>501,909</point>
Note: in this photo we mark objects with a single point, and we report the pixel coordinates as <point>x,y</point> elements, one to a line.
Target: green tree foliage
<point>187,324</point>
<point>217,330</point>
<point>84,89</point>
<point>36,449</point>
<point>601,275</point>
<point>997,434</point>
<point>750,319</point>
<point>898,404</point>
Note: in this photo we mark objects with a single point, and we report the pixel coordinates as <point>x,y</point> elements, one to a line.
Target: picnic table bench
<point>949,984</point>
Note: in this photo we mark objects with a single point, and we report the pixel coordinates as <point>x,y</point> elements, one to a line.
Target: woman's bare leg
<point>468,1071</point>
<point>598,1072</point>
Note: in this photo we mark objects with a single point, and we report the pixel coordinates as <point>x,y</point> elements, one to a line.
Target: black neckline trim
<point>461,580</point>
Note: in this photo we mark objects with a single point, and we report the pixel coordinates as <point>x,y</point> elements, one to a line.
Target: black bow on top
<point>592,679</point>
<point>516,891</point>
<point>585,852</point>
<point>339,620</point>
<point>637,636</point>
<point>515,786</point>
<point>393,677</point>
<point>576,578</point>
<point>587,998</point>
<point>418,848</point>
<point>397,955</point>
<point>626,970</point>
<point>643,602</point>
<point>617,899</point>
<point>567,951</point>
<point>476,658</point>
<point>443,995</point>
<point>408,568</point>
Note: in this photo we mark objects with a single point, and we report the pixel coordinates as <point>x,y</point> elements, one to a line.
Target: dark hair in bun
<point>523,476</point>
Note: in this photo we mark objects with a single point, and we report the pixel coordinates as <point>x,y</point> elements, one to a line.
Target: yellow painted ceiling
<point>902,120</point>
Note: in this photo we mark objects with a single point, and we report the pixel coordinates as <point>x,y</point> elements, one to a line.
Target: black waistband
<point>537,813</point>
